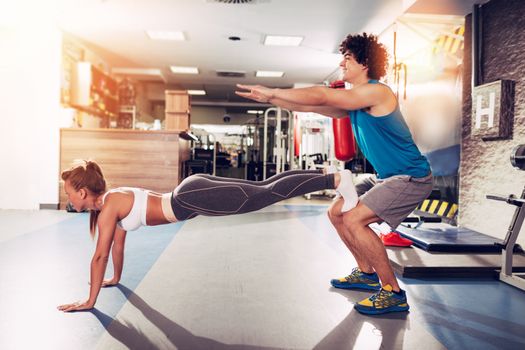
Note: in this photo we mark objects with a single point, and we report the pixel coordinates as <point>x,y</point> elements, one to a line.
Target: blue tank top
<point>387,143</point>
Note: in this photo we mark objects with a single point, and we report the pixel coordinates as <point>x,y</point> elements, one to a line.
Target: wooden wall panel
<point>177,121</point>
<point>177,101</point>
<point>136,158</point>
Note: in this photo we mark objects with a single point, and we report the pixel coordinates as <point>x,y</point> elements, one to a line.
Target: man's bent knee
<point>353,221</point>
<point>336,220</point>
<point>334,212</point>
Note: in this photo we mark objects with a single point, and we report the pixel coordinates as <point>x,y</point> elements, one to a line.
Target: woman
<point>123,209</point>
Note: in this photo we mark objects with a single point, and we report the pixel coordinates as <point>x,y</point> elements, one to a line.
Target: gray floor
<point>253,281</point>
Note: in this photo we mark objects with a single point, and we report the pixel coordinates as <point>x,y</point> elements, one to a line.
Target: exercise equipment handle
<point>422,219</point>
<point>496,198</point>
<point>511,199</point>
<point>431,219</point>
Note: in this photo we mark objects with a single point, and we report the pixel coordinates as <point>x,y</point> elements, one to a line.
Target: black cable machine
<point>506,274</point>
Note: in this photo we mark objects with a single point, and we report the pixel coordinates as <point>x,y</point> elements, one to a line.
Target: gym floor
<point>252,281</point>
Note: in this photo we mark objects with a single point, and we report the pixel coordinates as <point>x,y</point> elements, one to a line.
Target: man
<point>403,174</point>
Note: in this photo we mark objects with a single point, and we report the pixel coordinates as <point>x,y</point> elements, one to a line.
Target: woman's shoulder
<point>123,190</point>
<point>118,202</point>
<point>118,195</point>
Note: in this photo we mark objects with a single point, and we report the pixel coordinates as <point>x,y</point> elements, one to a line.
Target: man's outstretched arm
<point>330,112</point>
<point>363,96</point>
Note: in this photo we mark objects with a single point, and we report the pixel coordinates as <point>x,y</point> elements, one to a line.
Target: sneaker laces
<point>385,299</point>
<point>381,295</point>
<point>356,273</point>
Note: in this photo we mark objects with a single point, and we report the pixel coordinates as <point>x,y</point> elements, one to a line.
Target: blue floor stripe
<point>479,314</point>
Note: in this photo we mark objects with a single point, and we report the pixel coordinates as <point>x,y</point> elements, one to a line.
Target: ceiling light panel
<point>136,71</point>
<point>281,40</point>
<point>197,92</point>
<point>184,70</point>
<point>269,74</point>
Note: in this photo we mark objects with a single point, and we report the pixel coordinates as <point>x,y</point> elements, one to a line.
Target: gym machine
<point>517,159</point>
<point>282,141</point>
<point>448,238</point>
<point>269,144</point>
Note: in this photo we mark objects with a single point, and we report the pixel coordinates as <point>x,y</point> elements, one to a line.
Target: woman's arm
<point>117,254</point>
<point>107,222</point>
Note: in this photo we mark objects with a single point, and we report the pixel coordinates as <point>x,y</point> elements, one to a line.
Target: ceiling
<point>116,29</point>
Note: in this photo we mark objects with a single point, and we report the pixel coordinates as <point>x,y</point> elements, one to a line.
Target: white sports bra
<point>137,215</point>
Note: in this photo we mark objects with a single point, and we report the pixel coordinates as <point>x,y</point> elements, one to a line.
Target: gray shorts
<point>394,198</point>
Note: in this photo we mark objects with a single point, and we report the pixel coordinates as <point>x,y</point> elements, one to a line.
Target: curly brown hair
<point>367,51</point>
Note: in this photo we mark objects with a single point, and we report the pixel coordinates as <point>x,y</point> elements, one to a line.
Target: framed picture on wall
<point>493,110</point>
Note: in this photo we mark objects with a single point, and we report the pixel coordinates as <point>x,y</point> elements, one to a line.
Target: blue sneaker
<point>383,301</point>
<point>358,280</point>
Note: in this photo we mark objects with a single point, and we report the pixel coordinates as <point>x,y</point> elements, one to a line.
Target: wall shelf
<point>93,91</point>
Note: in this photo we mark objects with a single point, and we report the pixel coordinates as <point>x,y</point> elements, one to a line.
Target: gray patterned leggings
<point>208,195</point>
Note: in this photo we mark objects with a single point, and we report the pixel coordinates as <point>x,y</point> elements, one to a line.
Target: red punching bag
<point>296,135</point>
<point>344,143</point>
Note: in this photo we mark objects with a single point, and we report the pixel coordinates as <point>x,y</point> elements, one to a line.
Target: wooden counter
<point>135,158</point>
